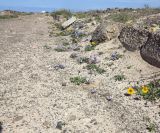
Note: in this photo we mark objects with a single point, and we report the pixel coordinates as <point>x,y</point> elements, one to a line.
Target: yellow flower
<point>145,89</point>
<point>93,43</point>
<point>131,91</point>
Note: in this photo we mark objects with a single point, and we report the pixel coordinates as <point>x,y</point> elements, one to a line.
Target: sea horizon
<point>50,9</point>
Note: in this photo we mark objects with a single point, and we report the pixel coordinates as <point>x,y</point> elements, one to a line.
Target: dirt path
<point>33,100</point>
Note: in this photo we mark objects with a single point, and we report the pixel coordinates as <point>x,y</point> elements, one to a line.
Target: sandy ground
<point>33,100</point>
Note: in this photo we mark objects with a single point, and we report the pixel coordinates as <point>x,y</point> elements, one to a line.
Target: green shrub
<point>58,26</point>
<point>121,17</point>
<point>89,48</point>
<point>97,18</point>
<point>81,60</point>
<point>81,15</point>
<point>96,68</point>
<point>119,77</point>
<point>78,80</point>
<point>64,33</point>
<point>8,16</point>
<point>151,127</point>
<point>152,93</point>
<point>63,12</point>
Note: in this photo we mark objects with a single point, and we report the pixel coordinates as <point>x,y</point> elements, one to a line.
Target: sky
<point>75,5</point>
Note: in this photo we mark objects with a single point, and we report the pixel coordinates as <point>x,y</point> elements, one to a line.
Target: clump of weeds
<point>95,68</point>
<point>78,80</point>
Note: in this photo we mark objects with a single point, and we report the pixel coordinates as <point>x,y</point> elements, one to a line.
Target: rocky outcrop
<point>133,39</point>
<point>105,32</point>
<point>150,52</point>
<point>147,42</point>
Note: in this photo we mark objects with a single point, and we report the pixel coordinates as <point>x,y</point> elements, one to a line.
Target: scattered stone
<point>64,84</point>
<point>59,66</point>
<point>126,94</point>
<point>75,47</point>
<point>94,121</point>
<point>93,91</point>
<point>78,25</point>
<point>78,34</point>
<point>69,22</point>
<point>133,39</point>
<point>150,52</point>
<point>100,53</point>
<point>115,56</point>
<point>94,59</point>
<point>47,124</point>
<point>88,81</point>
<point>1,128</point>
<point>17,118</point>
<point>104,32</point>
<point>73,55</point>
<point>137,98</point>
<point>108,98</point>
<point>60,125</point>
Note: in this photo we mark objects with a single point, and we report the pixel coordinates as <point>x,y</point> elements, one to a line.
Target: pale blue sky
<point>74,4</point>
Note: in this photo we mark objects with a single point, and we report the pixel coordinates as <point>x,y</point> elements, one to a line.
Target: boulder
<point>133,39</point>
<point>69,22</point>
<point>104,32</point>
<point>150,52</point>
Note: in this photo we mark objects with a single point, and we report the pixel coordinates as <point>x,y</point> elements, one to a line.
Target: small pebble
<point>59,66</point>
<point>1,128</point>
<point>73,55</point>
<point>93,91</point>
<point>126,94</point>
<point>137,98</point>
<point>60,124</point>
<point>93,121</point>
<point>64,84</point>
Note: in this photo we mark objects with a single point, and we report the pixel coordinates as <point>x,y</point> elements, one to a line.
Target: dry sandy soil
<point>33,100</point>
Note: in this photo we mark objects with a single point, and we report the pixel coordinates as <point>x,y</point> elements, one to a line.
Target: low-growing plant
<point>61,48</point>
<point>119,77</point>
<point>47,47</point>
<point>110,64</point>
<point>96,68</point>
<point>97,18</point>
<point>65,13</point>
<point>121,17</point>
<point>66,44</point>
<point>81,15</point>
<point>78,80</point>
<point>89,48</point>
<point>150,92</point>
<point>81,60</point>
<point>151,127</point>
<point>8,16</point>
<point>115,56</point>
<point>58,26</point>
<point>64,33</point>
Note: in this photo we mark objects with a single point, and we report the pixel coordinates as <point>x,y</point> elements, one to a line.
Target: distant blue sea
<point>40,9</point>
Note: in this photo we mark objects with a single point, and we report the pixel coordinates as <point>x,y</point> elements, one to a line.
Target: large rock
<point>69,22</point>
<point>133,39</point>
<point>150,52</point>
<point>105,32</point>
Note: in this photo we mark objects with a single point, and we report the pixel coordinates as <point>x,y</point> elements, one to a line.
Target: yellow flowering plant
<point>131,91</point>
<point>150,92</point>
<point>145,89</point>
<point>93,43</point>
